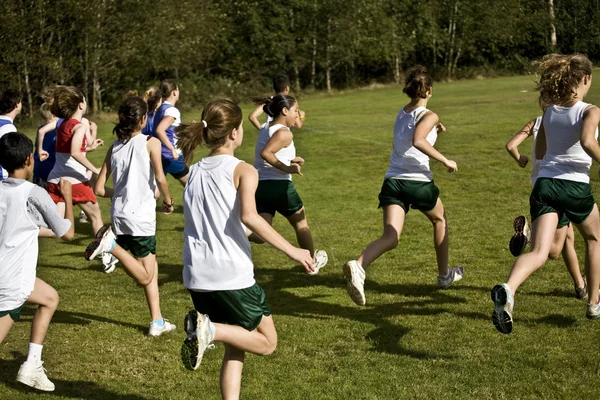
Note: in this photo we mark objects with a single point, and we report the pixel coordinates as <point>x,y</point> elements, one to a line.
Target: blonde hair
<point>152,96</point>
<point>560,76</point>
<point>45,112</point>
<point>220,116</point>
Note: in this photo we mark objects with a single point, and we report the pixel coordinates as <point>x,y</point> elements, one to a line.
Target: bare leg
<point>303,235</point>
<point>47,298</point>
<point>570,256</point>
<point>183,180</point>
<point>231,373</point>
<point>543,232</point>
<point>590,230</point>
<point>261,341</point>
<point>142,272</point>
<point>6,323</point>
<point>393,221</point>
<point>93,212</point>
<point>437,216</point>
<point>151,290</point>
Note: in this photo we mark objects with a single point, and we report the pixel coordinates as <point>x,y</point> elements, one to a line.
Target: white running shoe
<point>321,261</point>
<point>199,338</point>
<point>355,282</point>
<point>155,330</point>
<point>108,262</point>
<point>83,217</point>
<point>503,307</point>
<point>34,375</point>
<point>105,241</point>
<point>454,275</point>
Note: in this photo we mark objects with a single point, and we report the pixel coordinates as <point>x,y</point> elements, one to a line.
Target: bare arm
<point>78,138</point>
<point>280,139</point>
<point>100,187</point>
<point>300,120</point>
<point>154,150</point>
<point>41,133</point>
<point>253,117</point>
<point>246,180</point>
<point>424,126</point>
<point>513,144</point>
<point>161,134</point>
<point>589,143</point>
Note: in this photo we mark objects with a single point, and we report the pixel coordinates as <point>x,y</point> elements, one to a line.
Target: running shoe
<point>454,275</point>
<point>34,375</point>
<point>355,282</point>
<point>199,338</point>
<point>521,237</point>
<point>157,330</point>
<point>503,307</point>
<point>321,260</point>
<point>105,241</point>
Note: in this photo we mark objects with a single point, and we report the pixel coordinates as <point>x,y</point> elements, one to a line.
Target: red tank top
<point>64,136</point>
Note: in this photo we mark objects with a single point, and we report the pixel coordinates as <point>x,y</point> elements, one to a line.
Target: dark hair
<point>15,149</point>
<point>280,82</point>
<point>66,100</point>
<point>9,100</point>
<point>417,82</point>
<point>274,105</point>
<point>166,88</point>
<point>152,96</point>
<point>560,76</point>
<point>221,117</point>
<point>131,93</point>
<point>131,112</point>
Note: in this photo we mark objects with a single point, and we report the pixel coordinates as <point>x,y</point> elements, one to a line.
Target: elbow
<point>418,144</point>
<point>509,147</point>
<point>68,236</point>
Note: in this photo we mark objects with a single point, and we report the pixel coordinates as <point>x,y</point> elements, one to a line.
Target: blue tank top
<point>149,128</point>
<point>158,117</point>
<point>41,169</point>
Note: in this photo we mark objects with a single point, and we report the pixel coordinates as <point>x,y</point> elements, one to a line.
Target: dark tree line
<point>232,48</point>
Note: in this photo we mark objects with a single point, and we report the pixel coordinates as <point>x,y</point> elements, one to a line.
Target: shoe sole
<point>92,251</point>
<point>354,293</point>
<point>102,231</point>
<point>519,240</point>
<point>32,383</point>
<point>189,349</point>
<point>317,269</point>
<point>500,317</point>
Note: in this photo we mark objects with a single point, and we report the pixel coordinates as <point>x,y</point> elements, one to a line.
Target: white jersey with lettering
<point>216,251</point>
<point>406,161</point>
<point>565,158</point>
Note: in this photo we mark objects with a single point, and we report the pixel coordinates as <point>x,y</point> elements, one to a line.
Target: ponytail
<point>417,82</point>
<point>219,118</point>
<point>560,76</point>
<point>274,105</point>
<point>131,112</point>
<point>152,96</point>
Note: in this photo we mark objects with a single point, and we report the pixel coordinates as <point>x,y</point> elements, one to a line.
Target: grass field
<point>410,341</point>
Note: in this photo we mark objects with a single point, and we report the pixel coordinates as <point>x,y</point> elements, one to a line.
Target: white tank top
<point>565,158</point>
<point>535,163</point>
<point>265,170</point>
<point>216,251</point>
<point>18,246</point>
<point>406,161</point>
<point>133,209</point>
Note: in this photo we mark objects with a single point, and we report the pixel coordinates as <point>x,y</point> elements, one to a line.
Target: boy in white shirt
<point>10,107</point>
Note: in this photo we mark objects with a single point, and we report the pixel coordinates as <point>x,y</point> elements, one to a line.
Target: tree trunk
<point>313,70</point>
<point>327,55</point>
<point>86,69</point>
<point>396,59</point>
<point>28,87</point>
<point>452,36</point>
<point>297,74</point>
<point>552,25</point>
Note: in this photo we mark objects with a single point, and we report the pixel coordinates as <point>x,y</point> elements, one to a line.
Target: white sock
<point>212,328</point>
<point>35,353</point>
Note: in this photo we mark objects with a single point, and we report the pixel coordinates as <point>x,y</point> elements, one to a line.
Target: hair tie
<point>147,93</point>
<point>205,124</point>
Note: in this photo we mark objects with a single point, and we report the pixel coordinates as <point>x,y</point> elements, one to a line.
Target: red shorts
<point>82,193</point>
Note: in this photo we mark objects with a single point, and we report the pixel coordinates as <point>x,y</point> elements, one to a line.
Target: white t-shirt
<point>173,112</point>
<point>265,170</point>
<point>565,158</point>
<point>406,161</point>
<point>535,163</point>
<point>216,250</point>
<point>24,208</point>
<point>4,129</point>
<point>133,203</point>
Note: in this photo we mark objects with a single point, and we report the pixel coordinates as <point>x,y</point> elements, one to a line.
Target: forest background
<point>233,48</point>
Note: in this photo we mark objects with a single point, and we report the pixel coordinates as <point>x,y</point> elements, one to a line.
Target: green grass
<point>410,341</point>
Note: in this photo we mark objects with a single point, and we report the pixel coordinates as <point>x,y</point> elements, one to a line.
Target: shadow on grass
<point>426,300</point>
<point>173,273</point>
<point>555,293</point>
<point>64,388</point>
<point>77,318</point>
<point>557,320</point>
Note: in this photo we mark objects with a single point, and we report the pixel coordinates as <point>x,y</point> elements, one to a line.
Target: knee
<point>391,241</point>
<point>553,255</point>
<point>270,348</point>
<point>439,221</point>
<point>52,300</point>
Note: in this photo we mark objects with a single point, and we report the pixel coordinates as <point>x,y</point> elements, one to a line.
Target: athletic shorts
<point>176,168</point>
<point>138,246</point>
<point>570,199</point>
<point>15,314</point>
<point>243,307</point>
<point>409,194</point>
<point>82,193</point>
<point>277,196</point>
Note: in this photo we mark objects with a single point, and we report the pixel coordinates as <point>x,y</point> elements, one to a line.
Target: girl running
<point>218,271</point>
<point>566,144</point>
<point>166,119</point>
<point>564,238</point>
<point>153,99</point>
<point>134,162</point>
<point>275,159</point>
<point>409,184</point>
<point>45,146</point>
<point>71,163</point>
<point>281,85</point>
